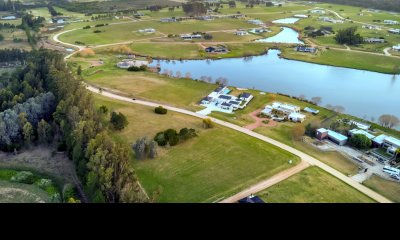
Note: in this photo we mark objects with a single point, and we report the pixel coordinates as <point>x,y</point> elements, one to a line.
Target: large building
<point>333,136</point>
<point>132,63</point>
<point>389,144</point>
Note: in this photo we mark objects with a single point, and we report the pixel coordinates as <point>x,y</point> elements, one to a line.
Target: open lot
<point>313,185</point>
<point>387,188</point>
<point>211,166</point>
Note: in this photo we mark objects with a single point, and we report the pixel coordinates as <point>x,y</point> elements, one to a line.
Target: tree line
<point>388,5</point>
<point>71,122</point>
<point>15,54</point>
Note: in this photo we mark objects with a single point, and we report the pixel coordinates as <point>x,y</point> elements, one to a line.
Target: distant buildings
<point>306,49</point>
<point>371,27</point>
<point>129,63</point>
<point>390,22</point>
<point>216,49</point>
<point>191,36</point>
<point>318,11</point>
<point>147,30</point>
<point>374,40</point>
<point>256,22</point>
<point>311,110</point>
<point>331,20</point>
<point>167,20</point>
<point>394,31</point>
<point>301,16</point>
<point>241,33</point>
<point>396,48</point>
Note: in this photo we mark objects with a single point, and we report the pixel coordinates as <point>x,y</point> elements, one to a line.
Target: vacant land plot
<point>22,193</point>
<point>387,188</point>
<point>211,166</point>
<point>313,185</point>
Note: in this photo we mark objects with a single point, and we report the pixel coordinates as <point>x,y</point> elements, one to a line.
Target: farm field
<point>313,185</point>
<point>204,169</point>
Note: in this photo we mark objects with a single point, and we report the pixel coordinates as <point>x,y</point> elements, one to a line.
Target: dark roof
<point>226,104</point>
<point>206,99</point>
<point>225,97</point>
<point>245,95</point>
<point>254,199</point>
<point>234,102</point>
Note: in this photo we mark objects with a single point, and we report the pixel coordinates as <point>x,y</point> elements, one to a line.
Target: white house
<point>241,33</point>
<point>335,137</point>
<point>371,27</point>
<point>362,132</point>
<point>396,48</point>
<point>318,11</point>
<point>331,20</point>
<point>8,18</point>
<point>165,20</point>
<point>255,21</point>
<point>390,22</point>
<point>394,31</point>
<point>301,16</point>
<point>191,36</point>
<point>147,30</point>
<point>296,117</point>
<point>130,63</point>
<point>374,40</point>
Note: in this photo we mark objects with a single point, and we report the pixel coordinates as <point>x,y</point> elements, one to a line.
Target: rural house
<point>333,136</point>
<point>216,49</point>
<point>394,31</point>
<point>241,33</point>
<point>132,63</point>
<point>167,20</point>
<point>374,40</point>
<point>390,22</point>
<point>306,49</point>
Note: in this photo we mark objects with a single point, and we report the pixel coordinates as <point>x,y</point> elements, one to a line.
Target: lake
<point>361,93</point>
<point>291,20</point>
<point>287,35</point>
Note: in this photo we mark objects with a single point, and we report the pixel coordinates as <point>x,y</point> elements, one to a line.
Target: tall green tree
<point>28,133</point>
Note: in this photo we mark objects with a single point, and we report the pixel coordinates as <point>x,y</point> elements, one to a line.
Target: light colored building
<point>390,22</point>
<point>255,21</point>
<point>371,27</point>
<point>362,132</point>
<point>359,125</point>
<point>301,16</point>
<point>396,48</point>
<point>318,11</point>
<point>389,143</point>
<point>296,117</point>
<point>166,20</point>
<point>8,18</point>
<point>394,31</point>
<point>147,30</point>
<point>191,36</point>
<point>311,110</point>
<point>241,33</point>
<point>132,63</point>
<point>374,40</point>
<point>333,136</point>
<point>331,20</point>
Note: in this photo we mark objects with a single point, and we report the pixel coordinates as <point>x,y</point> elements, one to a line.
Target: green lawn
<point>387,188</point>
<point>313,185</point>
<point>214,165</point>
<point>347,59</point>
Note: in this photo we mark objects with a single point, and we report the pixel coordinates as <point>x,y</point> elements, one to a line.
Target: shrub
<point>86,27</point>
<point>68,192</point>
<point>97,31</point>
<point>118,121</point>
<point>172,137</point>
<point>185,133</point>
<point>160,139</point>
<point>23,177</point>
<point>44,183</point>
<point>360,141</point>
<point>137,69</point>
<point>208,123</point>
<point>160,110</point>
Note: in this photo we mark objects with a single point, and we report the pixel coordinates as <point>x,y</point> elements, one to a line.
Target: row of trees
<point>6,26</point>
<point>194,8</point>
<point>348,36</point>
<point>15,54</point>
<point>73,123</point>
<point>52,11</point>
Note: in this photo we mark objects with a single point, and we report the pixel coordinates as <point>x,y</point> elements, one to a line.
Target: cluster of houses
<point>306,49</point>
<point>317,11</point>
<point>281,111</point>
<point>241,32</point>
<point>220,98</point>
<point>371,27</point>
<point>331,20</point>
<point>259,30</point>
<point>126,63</point>
<point>385,147</point>
<point>147,30</point>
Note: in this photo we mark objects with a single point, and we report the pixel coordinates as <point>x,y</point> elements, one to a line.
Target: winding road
<point>268,182</point>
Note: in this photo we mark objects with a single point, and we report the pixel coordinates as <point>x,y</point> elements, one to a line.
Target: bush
<point>208,123</point>
<point>360,141</point>
<point>185,133</point>
<point>137,69</point>
<point>160,139</point>
<point>44,183</point>
<point>23,177</point>
<point>86,27</point>
<point>118,121</point>
<point>172,137</point>
<point>160,110</point>
<point>97,31</point>
<point>68,192</point>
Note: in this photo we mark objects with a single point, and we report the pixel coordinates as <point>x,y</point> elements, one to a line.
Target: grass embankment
<point>216,164</point>
<point>357,60</point>
<point>387,188</point>
<point>313,185</point>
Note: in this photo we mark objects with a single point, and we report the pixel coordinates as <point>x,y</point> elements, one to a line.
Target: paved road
<point>268,182</point>
<point>305,157</point>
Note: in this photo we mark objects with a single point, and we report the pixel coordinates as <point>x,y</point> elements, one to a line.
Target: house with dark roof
<point>226,106</point>
<point>306,49</point>
<point>216,49</point>
<point>251,199</point>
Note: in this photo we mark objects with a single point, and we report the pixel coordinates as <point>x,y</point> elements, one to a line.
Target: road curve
<point>305,157</point>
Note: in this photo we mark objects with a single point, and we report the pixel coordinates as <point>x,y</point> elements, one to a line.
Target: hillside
<point>388,5</point>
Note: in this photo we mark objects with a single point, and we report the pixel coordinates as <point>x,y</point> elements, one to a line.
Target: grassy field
<point>216,164</point>
<point>347,59</point>
<point>387,188</point>
<point>313,185</point>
